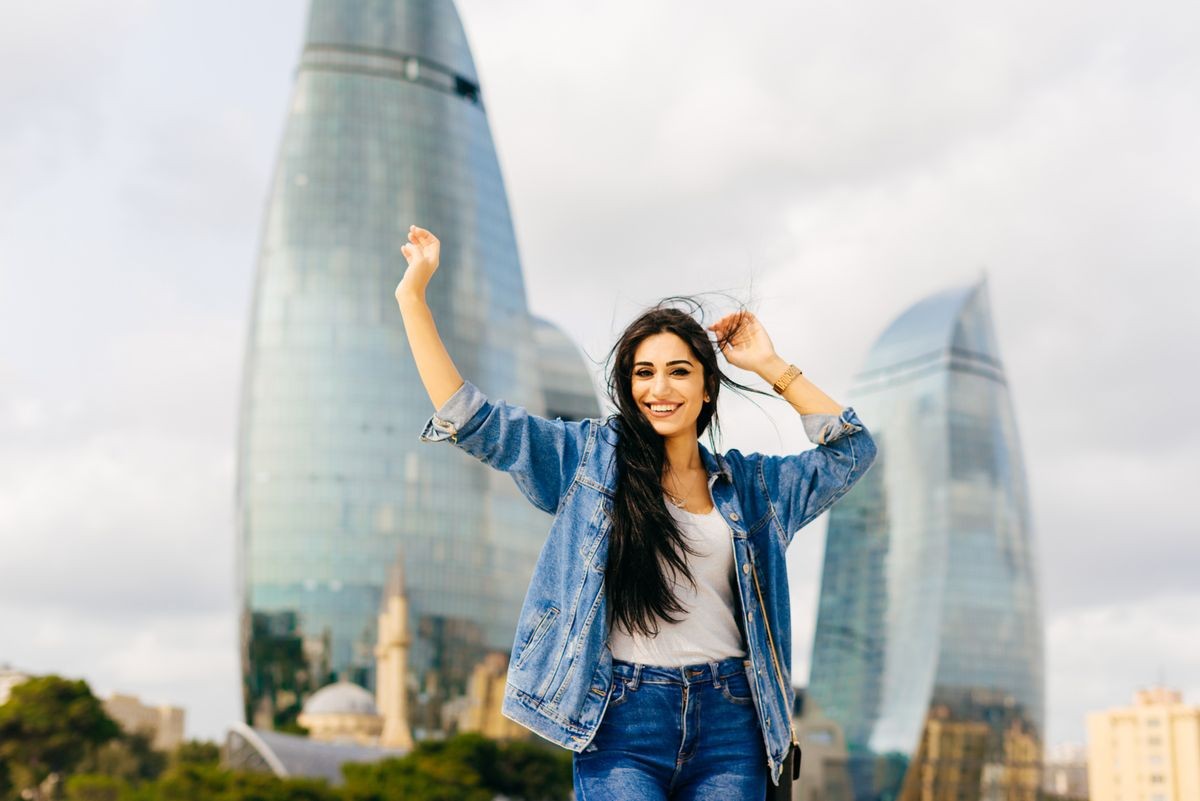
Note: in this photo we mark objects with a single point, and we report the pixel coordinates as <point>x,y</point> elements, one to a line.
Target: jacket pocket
<point>535,637</point>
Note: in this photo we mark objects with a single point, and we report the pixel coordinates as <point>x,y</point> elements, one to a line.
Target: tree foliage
<point>56,742</point>
<point>92,787</point>
<point>196,752</point>
<point>47,727</point>
<point>469,767</point>
<point>130,756</point>
<point>200,782</point>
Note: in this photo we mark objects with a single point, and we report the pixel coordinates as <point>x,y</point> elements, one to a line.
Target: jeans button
<point>733,516</point>
<point>746,569</point>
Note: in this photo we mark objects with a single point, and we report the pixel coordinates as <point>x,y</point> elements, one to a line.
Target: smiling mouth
<point>662,409</point>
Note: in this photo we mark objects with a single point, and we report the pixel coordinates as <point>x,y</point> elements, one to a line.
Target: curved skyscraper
<point>928,645</point>
<point>386,127</point>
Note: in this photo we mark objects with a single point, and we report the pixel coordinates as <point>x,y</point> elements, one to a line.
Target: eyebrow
<point>676,361</point>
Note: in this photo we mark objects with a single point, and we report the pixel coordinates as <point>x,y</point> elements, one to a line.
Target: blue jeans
<point>688,733</point>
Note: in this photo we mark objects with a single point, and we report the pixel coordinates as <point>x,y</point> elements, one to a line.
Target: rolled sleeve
<point>822,429</point>
<point>454,414</point>
<point>541,455</point>
<point>801,486</point>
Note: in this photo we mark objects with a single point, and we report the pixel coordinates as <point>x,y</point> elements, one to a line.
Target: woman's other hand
<point>422,252</point>
<point>744,341</point>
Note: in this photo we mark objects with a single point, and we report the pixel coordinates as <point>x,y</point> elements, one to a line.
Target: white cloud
<point>163,656</point>
<point>1097,657</point>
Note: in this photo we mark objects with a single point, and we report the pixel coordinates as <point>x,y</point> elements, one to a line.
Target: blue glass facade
<point>928,645</point>
<point>386,127</point>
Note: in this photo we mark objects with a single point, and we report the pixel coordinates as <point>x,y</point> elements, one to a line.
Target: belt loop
<point>637,675</point>
<point>716,674</point>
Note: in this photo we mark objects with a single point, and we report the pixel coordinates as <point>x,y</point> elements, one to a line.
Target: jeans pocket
<point>736,688</point>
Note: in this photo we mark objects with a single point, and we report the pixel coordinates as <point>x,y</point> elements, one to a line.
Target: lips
<point>662,410</point>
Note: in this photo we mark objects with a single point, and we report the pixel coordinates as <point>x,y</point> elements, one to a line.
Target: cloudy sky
<point>830,162</point>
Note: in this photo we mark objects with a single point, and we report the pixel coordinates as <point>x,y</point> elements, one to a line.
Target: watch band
<point>788,377</point>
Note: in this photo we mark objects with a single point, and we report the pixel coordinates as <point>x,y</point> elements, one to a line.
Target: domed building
<point>342,712</point>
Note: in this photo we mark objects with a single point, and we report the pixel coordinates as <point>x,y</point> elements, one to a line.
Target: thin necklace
<point>680,503</point>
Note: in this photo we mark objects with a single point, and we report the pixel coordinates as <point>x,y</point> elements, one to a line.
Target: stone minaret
<point>391,661</point>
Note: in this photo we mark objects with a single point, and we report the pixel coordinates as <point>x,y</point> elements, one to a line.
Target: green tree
<point>469,767</point>
<point>435,771</point>
<point>192,782</point>
<point>200,782</point>
<point>130,756</point>
<point>265,787</point>
<point>532,772</point>
<point>92,787</point>
<point>46,729</point>
<point>196,752</point>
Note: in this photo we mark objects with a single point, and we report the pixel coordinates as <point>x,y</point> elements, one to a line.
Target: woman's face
<point>668,384</point>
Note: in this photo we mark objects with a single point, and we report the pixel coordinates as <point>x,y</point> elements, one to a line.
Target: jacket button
<point>746,569</point>
<point>733,516</point>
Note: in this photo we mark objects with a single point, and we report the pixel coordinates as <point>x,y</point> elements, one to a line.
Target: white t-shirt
<point>707,630</point>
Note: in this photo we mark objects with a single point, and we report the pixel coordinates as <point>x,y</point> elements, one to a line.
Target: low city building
<point>823,763</point>
<point>292,755</point>
<point>164,724</point>
<point>1149,751</point>
<point>1065,774</point>
<point>342,712</point>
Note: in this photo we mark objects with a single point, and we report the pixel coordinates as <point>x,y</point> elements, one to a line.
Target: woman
<point>654,639</point>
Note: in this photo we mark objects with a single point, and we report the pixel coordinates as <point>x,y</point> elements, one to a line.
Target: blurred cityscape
<point>380,578</point>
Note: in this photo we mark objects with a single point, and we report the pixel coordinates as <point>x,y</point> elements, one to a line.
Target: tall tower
<point>391,655</point>
<point>928,646</point>
<point>386,127</point>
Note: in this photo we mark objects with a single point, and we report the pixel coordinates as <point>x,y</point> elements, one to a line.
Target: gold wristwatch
<point>788,377</point>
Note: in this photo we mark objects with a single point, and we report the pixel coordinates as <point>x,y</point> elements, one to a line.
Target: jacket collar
<point>715,466</point>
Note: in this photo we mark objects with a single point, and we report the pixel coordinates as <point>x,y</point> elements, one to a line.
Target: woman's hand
<point>744,342</point>
<point>423,252</point>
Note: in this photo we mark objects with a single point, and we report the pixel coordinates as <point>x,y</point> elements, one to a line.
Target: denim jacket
<point>560,670</point>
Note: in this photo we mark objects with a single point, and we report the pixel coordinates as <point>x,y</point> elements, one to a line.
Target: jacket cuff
<point>458,409</point>
<point>823,429</point>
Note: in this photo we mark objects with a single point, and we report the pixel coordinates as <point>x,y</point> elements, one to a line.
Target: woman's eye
<point>681,371</point>
<point>643,373</point>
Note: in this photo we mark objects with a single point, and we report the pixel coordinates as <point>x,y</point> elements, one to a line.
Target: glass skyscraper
<point>386,127</point>
<point>928,645</point>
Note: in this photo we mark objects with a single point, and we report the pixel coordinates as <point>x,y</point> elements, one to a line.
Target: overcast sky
<point>830,162</point>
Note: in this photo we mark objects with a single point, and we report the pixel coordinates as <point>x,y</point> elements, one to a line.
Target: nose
<point>660,385</point>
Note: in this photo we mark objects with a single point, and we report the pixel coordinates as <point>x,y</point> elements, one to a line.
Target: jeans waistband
<point>637,673</point>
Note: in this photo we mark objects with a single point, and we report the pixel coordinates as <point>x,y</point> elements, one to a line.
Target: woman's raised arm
<point>801,486</point>
<point>541,455</point>
<point>438,373</point>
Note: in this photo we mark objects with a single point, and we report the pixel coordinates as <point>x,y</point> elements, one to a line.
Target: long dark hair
<point>645,544</point>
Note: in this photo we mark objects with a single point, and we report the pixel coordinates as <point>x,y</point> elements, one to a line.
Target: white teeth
<point>662,408</point>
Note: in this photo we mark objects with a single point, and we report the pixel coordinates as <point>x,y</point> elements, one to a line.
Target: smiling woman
<point>654,638</point>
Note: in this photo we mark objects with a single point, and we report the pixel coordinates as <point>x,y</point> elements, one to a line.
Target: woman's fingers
<point>727,323</point>
<point>421,235</point>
